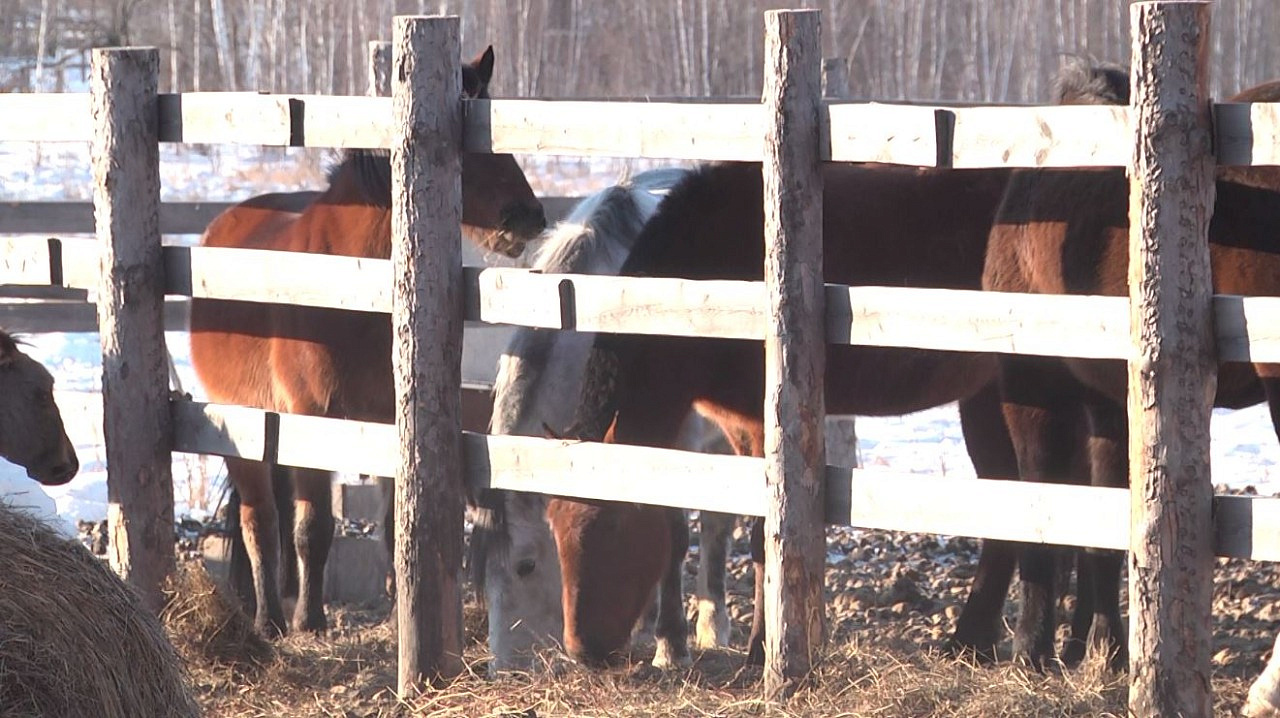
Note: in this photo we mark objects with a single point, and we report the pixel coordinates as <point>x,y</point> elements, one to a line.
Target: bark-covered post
<point>379,69</point>
<point>426,217</point>
<point>795,350</point>
<point>1172,371</point>
<point>135,374</point>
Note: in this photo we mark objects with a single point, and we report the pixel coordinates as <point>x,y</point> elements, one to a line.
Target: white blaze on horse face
<point>522,589</point>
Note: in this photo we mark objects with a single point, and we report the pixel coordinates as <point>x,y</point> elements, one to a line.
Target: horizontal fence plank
<point>53,317</point>
<point>77,217</point>
<point>259,275</point>
<point>588,470</point>
<point>1247,527</point>
<point>1247,134</point>
<point>1069,136</point>
<point>616,129</point>
<point>1248,328</point>
<point>689,128</point>
<point>244,118</point>
<point>986,508</point>
<point>968,320</point>
<point>634,305</point>
<point>45,117</point>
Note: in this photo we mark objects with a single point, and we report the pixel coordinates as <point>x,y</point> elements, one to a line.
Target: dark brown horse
<point>31,431</point>
<point>1066,231</point>
<point>326,362</point>
<point>710,227</point>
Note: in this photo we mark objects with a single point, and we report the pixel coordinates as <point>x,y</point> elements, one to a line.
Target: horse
<point>710,227</point>
<point>327,362</point>
<point>31,431</point>
<point>1066,232</point>
<point>539,379</point>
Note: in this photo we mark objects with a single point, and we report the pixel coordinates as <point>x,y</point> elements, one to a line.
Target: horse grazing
<point>882,225</point>
<point>1066,232</point>
<point>539,380</point>
<point>326,362</point>
<point>31,431</point>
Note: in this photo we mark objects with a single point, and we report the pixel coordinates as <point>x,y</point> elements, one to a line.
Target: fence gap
<point>1172,369</point>
<point>427,360</point>
<point>135,375</point>
<point>795,350</point>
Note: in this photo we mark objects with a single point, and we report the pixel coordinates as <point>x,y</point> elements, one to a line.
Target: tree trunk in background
<point>222,43</point>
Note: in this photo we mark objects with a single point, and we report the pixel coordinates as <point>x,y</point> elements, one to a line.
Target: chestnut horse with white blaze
<point>882,225</point>
<point>327,362</point>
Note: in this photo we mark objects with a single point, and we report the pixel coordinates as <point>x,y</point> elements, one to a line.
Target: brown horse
<point>710,227</point>
<point>31,431</point>
<point>327,362</point>
<point>1066,231</point>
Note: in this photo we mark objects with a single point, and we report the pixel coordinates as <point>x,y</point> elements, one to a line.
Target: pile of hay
<point>74,639</point>
<point>208,627</point>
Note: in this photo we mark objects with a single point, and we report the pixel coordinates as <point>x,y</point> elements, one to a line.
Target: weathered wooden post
<point>135,376</point>
<point>426,216</point>
<point>1172,372</point>
<point>795,350</point>
<point>379,69</point>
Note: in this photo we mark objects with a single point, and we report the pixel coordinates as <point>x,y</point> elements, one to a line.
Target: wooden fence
<point>1165,329</point>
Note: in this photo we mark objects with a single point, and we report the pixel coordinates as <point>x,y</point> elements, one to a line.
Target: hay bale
<point>207,626</point>
<point>74,639</point>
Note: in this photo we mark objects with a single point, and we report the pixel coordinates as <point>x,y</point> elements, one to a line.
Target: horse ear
<point>484,65</point>
<point>609,437</point>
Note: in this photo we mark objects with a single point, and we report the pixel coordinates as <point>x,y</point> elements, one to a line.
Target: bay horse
<point>31,431</point>
<point>1066,232</point>
<point>539,380</point>
<point>882,225</point>
<point>327,362</point>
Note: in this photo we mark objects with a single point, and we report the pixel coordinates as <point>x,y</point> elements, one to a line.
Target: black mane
<point>1085,81</point>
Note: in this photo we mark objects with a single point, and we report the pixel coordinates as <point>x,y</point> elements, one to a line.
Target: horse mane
<point>604,225</point>
<point>369,173</point>
<point>1087,81</point>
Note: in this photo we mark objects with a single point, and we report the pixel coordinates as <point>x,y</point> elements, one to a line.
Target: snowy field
<point>1245,450</point>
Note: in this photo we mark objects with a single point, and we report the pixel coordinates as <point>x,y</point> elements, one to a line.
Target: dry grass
<point>74,639</point>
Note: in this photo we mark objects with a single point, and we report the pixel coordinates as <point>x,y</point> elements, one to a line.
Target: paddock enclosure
<point>1169,329</point>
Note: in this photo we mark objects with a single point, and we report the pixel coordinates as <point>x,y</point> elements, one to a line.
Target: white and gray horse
<point>513,556</point>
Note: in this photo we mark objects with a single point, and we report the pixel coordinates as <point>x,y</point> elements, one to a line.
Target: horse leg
<point>980,625</point>
<point>671,632</point>
<point>715,530</point>
<point>258,526</point>
<point>313,535</point>
<point>755,643</point>
<point>239,570</point>
<point>282,487</point>
<point>1042,422</point>
<point>1099,574</point>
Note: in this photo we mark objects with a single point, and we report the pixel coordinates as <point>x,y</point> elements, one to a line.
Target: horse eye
<point>524,567</point>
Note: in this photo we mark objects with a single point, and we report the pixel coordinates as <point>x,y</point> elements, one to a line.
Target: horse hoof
<point>713,626</point>
<point>981,652</point>
<point>314,625</point>
<point>670,657</point>
<point>270,630</point>
<point>1072,653</point>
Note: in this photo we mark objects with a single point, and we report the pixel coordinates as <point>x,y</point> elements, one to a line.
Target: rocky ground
<point>892,600</point>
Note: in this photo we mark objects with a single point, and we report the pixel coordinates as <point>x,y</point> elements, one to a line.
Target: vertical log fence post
<point>135,375</point>
<point>795,350</point>
<point>1172,370</point>
<point>427,324</point>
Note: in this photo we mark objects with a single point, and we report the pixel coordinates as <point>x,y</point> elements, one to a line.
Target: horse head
<point>31,431</point>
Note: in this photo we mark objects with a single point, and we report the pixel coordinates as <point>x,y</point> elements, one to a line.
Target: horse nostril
<point>524,567</point>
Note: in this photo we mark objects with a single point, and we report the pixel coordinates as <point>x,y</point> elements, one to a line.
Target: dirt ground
<point>892,599</point>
